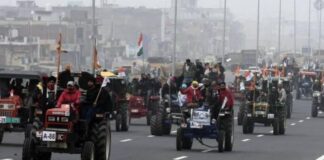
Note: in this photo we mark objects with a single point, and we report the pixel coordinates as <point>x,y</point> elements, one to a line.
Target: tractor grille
<point>260,108</point>
<point>6,113</point>
<point>57,127</point>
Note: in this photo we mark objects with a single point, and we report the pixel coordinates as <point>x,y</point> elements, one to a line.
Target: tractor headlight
<point>316,94</point>
<point>11,106</point>
<point>51,118</point>
<point>64,119</point>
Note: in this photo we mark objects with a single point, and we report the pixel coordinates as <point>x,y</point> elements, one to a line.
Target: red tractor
<point>17,109</point>
<point>138,109</point>
<point>64,133</point>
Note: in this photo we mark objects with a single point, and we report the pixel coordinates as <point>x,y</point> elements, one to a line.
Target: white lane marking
<point>320,158</point>
<point>271,131</point>
<point>179,158</point>
<point>260,135</point>
<point>293,124</point>
<point>301,121</point>
<point>235,118</point>
<point>207,150</point>
<point>173,131</point>
<point>125,140</point>
<point>307,117</point>
<point>320,112</point>
<point>245,140</point>
<point>150,136</point>
<point>7,159</point>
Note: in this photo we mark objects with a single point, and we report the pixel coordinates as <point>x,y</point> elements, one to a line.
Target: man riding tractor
<point>65,132</point>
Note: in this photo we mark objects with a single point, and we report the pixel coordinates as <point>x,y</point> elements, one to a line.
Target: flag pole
<point>94,57</point>
<point>143,61</point>
<point>58,50</point>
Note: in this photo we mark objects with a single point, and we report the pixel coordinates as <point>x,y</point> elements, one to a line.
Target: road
<point>303,141</point>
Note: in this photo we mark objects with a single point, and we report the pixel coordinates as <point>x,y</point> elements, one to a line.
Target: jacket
<point>189,72</point>
<point>68,97</point>
<point>193,95</point>
<point>230,99</point>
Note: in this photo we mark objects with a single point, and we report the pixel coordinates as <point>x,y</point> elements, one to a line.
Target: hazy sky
<point>242,9</point>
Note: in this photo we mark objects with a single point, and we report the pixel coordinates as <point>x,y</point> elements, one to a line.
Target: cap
<point>183,85</point>
<point>194,83</point>
<point>70,83</point>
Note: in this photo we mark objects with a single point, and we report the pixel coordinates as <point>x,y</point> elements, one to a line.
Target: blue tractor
<point>198,123</point>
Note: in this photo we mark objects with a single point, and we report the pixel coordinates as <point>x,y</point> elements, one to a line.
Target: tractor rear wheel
<point>88,151</point>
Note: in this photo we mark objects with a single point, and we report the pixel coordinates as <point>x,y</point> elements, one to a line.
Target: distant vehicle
<point>15,112</point>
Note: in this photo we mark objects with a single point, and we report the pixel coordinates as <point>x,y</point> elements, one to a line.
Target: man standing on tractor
<point>166,87</point>
<point>282,93</point>
<point>65,77</point>
<point>189,72</point>
<point>87,106</point>
<point>224,92</point>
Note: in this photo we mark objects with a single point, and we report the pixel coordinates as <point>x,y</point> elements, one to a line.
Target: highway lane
<point>303,141</point>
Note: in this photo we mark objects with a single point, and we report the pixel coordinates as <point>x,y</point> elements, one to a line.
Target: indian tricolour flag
<point>140,45</point>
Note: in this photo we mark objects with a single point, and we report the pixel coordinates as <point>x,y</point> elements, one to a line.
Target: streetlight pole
<point>320,28</point>
<point>309,27</point>
<point>224,33</point>
<point>93,35</point>
<point>279,30</point>
<point>258,35</point>
<point>175,37</point>
<point>295,28</point>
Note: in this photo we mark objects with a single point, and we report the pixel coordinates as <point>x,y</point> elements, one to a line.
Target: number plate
<point>134,110</point>
<point>195,125</point>
<point>49,136</point>
<point>270,116</point>
<point>2,119</point>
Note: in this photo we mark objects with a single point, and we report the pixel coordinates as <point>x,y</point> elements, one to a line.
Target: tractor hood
<point>63,111</point>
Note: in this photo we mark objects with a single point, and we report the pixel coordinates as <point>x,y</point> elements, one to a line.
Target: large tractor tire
<point>275,125</point>
<point>32,128</point>
<point>125,118</point>
<point>88,151</point>
<point>183,142</point>
<point>118,122</point>
<point>248,125</point>
<point>314,110</point>
<point>240,118</point>
<point>282,126</point>
<point>1,133</point>
<point>158,125</point>
<point>289,105</point>
<point>101,137</point>
<point>28,149</point>
<point>298,94</point>
<point>148,118</point>
<point>229,136</point>
<point>221,141</point>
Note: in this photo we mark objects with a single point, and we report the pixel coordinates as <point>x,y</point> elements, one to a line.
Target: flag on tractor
<point>95,58</point>
<point>140,45</point>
